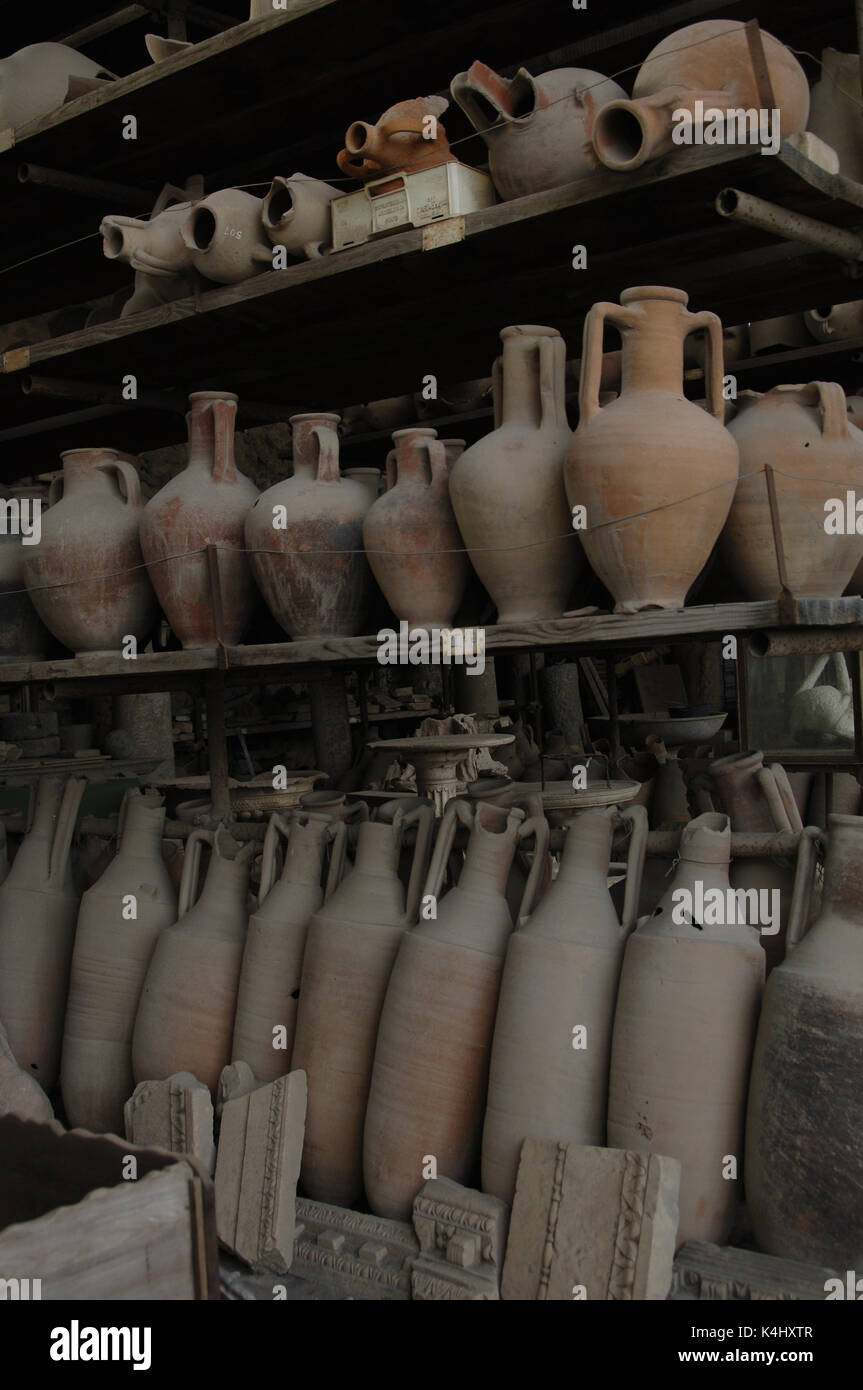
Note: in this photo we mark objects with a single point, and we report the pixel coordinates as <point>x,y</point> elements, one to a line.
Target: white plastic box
<point>391,204</point>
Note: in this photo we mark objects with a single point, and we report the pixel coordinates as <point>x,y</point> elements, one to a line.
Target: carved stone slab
<point>591,1223</point>
<point>462,1236</point>
<point>176,1115</point>
<point>706,1271</point>
<point>260,1147</point>
<point>366,1257</point>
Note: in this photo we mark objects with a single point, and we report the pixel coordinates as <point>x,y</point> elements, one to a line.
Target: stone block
<point>706,1271</point>
<point>462,1237</point>
<point>591,1223</point>
<point>358,1255</point>
<point>176,1114</point>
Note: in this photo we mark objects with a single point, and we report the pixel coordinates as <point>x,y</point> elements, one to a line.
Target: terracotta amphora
<point>98,496</point>
<point>411,537</point>
<point>804,433</point>
<point>397,143</point>
<point>39,78</point>
<point>655,473</point>
<point>38,907</point>
<point>23,635</point>
<point>428,1088</point>
<point>684,1027</point>
<point>305,539</point>
<point>155,250</point>
<point>20,1094</point>
<point>269,987</point>
<point>119,922</point>
<point>708,62</point>
<point>296,214</point>
<point>537,129</point>
<point>205,505</point>
<point>804,1162</point>
<point>759,798</point>
<point>225,238</point>
<point>548,1077</point>
<point>185,1016</point>
<point>507,490</point>
<point>350,948</point>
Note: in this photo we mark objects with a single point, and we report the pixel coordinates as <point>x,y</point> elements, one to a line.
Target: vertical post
<point>217,745</point>
<point>331,730</point>
<point>759,65</point>
<point>859,11</point>
<point>614,722</point>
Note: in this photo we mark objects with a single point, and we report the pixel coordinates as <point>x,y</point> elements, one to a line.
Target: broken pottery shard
<point>236,1080</point>
<point>20,1093</point>
<point>591,1223</point>
<point>260,1146</point>
<point>176,1114</point>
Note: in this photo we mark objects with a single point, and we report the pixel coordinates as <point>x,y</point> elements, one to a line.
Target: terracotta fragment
<point>37,79</point>
<point>296,215</point>
<point>20,1094</point>
<point>397,143</point>
<point>225,238</point>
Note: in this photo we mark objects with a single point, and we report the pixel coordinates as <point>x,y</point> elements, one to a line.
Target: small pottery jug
<point>397,143</point>
<point>186,1013</point>
<point>205,505</point>
<point>431,1063</point>
<point>707,62</point>
<point>507,489</point>
<point>805,1110</point>
<point>296,214</point>
<point>305,539</point>
<point>269,987</point>
<point>98,497</point>
<point>155,250</point>
<point>38,907</point>
<point>684,1027</point>
<point>804,433</point>
<point>350,948</point>
<point>225,236</point>
<point>548,1077</point>
<point>649,467</point>
<point>119,922</point>
<point>537,129</point>
<point>39,78</point>
<point>23,635</point>
<point>411,537</point>
<point>759,798</point>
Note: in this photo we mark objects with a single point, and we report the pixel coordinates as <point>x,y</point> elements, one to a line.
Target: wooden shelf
<point>300,338</point>
<point>581,632</point>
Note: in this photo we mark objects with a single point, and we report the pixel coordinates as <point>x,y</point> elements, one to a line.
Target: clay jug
<point>817,454</point>
<point>37,79</point>
<point>186,1013</point>
<point>548,1077</point>
<point>430,1073</point>
<point>38,907</point>
<point>650,466</point>
<point>101,497</point>
<point>273,956</point>
<point>414,546</point>
<point>225,236</point>
<point>23,636</point>
<point>507,489</point>
<point>537,129</point>
<point>350,948</point>
<point>684,1027</point>
<point>296,214</point>
<point>804,1164</point>
<point>119,922</point>
<point>759,798</point>
<point>204,505</point>
<point>305,539</point>
<point>708,62</point>
<point>397,143</point>
<point>155,250</point>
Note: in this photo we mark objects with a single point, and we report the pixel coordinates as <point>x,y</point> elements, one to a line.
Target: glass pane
<point>800,704</point>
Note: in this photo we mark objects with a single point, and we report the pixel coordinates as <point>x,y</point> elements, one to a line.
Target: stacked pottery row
<point>454,1035</point>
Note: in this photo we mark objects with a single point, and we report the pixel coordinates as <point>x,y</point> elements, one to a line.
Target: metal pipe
<point>101,393</point>
<point>100,189</point>
<point>173,829</point>
<point>745,844</point>
<point>793,226</point>
<point>813,642</point>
